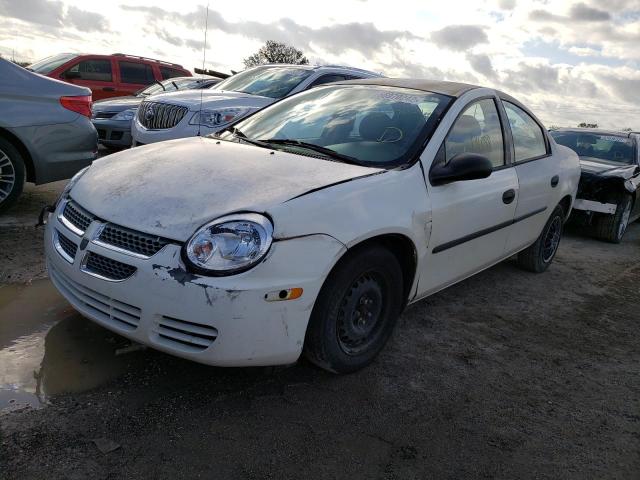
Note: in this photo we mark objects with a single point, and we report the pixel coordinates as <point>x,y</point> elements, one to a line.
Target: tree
<point>276,52</point>
<point>628,129</point>
<point>587,125</point>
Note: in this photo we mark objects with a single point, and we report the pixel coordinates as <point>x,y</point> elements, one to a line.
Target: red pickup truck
<point>107,76</point>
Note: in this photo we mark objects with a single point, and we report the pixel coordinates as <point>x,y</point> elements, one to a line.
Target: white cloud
<point>570,61</point>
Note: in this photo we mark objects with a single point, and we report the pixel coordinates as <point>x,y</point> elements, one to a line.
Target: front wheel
<point>12,173</point>
<point>612,228</point>
<point>356,311</point>
<point>537,257</point>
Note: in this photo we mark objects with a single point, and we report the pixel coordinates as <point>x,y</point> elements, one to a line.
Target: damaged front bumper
<point>594,206</point>
<point>223,321</point>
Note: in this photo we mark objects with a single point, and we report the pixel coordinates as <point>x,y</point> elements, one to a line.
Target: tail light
<point>81,104</point>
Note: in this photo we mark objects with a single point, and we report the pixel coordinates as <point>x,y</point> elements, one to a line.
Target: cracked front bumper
<point>223,321</point>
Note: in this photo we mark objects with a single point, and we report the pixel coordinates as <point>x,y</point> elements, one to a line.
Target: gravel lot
<point>505,375</point>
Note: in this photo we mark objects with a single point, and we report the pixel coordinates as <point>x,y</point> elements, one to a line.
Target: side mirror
<point>464,166</point>
<point>71,75</point>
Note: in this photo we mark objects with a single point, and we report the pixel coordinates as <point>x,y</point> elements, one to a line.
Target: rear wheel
<point>537,257</point>
<point>12,173</point>
<point>356,311</point>
<point>612,228</point>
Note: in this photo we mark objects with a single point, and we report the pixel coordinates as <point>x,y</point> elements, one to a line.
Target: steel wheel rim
<point>551,239</point>
<point>7,176</point>
<point>624,221</point>
<point>360,315</point>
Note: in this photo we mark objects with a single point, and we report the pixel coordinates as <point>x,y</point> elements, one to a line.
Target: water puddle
<point>47,348</point>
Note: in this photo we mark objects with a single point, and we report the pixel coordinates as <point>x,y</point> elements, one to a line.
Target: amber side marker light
<point>281,295</point>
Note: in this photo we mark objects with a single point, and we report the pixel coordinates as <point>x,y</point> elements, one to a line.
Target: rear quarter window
<point>134,72</point>
<point>167,72</point>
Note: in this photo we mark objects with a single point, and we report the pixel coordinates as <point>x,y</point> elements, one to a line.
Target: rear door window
<point>528,138</point>
<point>92,70</point>
<point>134,72</point>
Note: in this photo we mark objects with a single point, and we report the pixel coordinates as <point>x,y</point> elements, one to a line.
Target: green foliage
<point>276,52</point>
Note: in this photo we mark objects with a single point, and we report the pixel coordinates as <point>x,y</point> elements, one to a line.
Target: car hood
<point>592,165</point>
<point>172,188</point>
<point>117,104</point>
<point>212,99</point>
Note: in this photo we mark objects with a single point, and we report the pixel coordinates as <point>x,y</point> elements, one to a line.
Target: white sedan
<point>310,226</point>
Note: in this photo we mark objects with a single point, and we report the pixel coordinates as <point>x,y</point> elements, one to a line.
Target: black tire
<point>356,310</point>
<point>538,256</point>
<point>12,174</point>
<point>612,228</point>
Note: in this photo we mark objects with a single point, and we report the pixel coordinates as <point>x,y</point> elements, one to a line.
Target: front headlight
<point>217,118</point>
<point>125,114</point>
<point>230,244</point>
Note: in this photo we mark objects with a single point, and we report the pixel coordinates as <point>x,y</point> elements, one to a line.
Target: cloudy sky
<point>569,60</point>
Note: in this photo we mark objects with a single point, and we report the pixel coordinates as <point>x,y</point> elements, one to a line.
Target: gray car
<point>45,130</point>
<point>112,117</point>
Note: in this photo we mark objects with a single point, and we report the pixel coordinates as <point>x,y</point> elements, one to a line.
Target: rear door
<point>471,219</point>
<point>95,73</point>
<point>538,174</point>
<point>133,75</point>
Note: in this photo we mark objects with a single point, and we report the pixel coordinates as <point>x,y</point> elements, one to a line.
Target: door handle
<point>508,196</point>
<point>108,89</point>
<point>555,180</point>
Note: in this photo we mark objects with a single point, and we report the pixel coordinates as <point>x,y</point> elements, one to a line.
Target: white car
<point>189,114</point>
<point>310,225</point>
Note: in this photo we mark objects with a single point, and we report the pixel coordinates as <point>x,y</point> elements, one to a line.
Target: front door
<point>470,219</point>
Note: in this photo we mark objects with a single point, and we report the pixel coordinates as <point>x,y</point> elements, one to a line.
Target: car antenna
<point>204,57</point>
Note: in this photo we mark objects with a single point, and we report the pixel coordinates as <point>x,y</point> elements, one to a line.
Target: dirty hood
<point>172,188</point>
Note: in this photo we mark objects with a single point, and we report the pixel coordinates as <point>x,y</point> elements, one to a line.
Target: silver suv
<point>193,113</point>
<point>45,130</point>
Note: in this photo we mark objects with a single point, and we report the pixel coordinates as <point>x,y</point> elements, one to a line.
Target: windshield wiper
<point>238,134</point>
<point>316,148</point>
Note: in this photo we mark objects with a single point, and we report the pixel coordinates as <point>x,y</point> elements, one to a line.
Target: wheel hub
<point>7,176</point>
<point>359,314</point>
<point>552,239</point>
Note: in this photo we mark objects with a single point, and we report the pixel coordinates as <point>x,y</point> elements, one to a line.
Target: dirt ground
<point>506,375</point>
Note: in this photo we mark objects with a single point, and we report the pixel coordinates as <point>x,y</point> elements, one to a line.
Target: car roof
<point>595,131</point>
<point>451,89</point>
<point>345,68</point>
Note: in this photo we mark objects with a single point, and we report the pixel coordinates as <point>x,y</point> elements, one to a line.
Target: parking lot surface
<point>505,375</point>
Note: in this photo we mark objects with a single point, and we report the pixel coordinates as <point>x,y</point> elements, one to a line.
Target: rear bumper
<point>59,151</point>
<point>223,321</point>
<point>113,133</point>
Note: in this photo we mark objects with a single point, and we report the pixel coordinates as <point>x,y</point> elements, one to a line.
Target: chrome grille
<point>109,310</point>
<point>67,246</point>
<point>106,267</point>
<point>180,333</point>
<point>77,216</point>
<point>159,116</point>
<point>131,240</point>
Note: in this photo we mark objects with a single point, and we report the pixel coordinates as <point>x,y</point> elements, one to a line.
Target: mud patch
<point>47,348</point>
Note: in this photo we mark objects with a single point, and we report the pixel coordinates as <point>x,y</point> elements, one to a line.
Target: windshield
<point>373,125</point>
<point>273,82</point>
<point>614,149</point>
<point>170,86</point>
<point>51,63</point>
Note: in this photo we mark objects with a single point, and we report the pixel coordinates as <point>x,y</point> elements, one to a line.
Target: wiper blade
<point>238,134</point>
<point>316,148</point>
